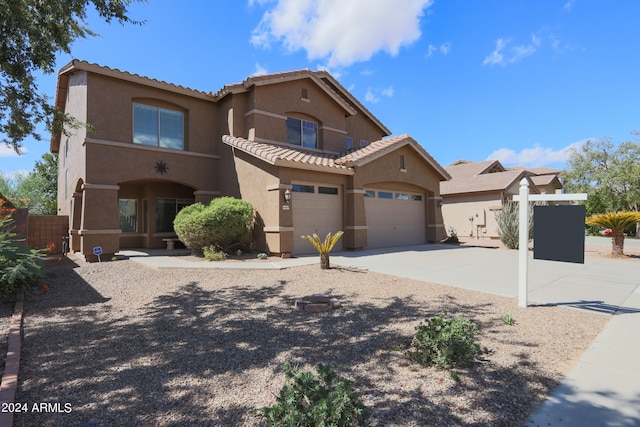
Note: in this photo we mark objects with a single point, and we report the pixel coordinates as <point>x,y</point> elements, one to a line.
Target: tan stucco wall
<point>481,207</point>
<point>71,156</point>
<point>285,99</point>
<point>111,112</point>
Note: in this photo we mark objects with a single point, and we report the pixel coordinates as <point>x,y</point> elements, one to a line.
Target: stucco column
<point>355,234</point>
<point>278,236</point>
<point>435,222</point>
<point>100,225</point>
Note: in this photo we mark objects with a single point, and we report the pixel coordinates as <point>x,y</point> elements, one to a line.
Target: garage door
<point>394,218</point>
<point>316,209</point>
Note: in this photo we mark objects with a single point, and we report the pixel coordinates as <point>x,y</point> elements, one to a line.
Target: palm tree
<point>617,222</point>
<point>323,247</point>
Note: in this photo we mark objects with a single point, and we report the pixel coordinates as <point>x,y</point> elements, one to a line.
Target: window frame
<point>297,137</point>
<point>135,216</point>
<point>162,139</point>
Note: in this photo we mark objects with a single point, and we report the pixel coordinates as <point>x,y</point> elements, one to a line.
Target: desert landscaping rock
<point>124,344</point>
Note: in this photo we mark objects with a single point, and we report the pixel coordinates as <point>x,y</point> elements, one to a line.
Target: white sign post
<point>523,244</point>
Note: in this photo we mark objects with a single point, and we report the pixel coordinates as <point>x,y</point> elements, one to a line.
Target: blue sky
<point>514,80</point>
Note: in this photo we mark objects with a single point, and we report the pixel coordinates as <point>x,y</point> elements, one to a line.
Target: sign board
<point>97,251</point>
<point>558,233</point>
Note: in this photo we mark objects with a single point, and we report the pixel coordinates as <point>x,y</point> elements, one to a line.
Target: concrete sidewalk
<point>603,389</point>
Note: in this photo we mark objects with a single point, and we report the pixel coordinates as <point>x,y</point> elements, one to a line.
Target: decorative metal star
<point>161,167</point>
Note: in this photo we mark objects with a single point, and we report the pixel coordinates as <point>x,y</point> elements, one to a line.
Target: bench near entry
<point>171,243</point>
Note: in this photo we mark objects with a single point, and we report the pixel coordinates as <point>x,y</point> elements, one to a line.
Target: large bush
<point>20,267</point>
<point>224,223</point>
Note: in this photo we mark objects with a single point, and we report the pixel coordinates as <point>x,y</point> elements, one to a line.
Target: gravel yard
<point>125,344</point>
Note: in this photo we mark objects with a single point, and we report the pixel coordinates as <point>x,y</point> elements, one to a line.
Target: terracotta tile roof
<point>542,180</point>
<point>76,64</point>
<point>297,157</point>
<point>288,156</point>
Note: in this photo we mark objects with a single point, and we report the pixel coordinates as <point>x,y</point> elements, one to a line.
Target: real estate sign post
<point>523,245</point>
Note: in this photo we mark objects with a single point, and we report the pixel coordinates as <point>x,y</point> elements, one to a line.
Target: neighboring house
<point>477,190</point>
<point>297,145</point>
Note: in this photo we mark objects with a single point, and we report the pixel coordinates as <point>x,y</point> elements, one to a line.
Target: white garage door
<point>395,218</point>
<point>316,209</point>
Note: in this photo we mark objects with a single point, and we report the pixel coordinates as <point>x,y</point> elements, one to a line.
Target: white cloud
<point>338,32</point>
<point>7,151</point>
<point>260,70</point>
<point>370,97</point>
<point>505,54</point>
<point>535,156</point>
<point>388,92</point>
<point>568,5</point>
<point>444,49</point>
<point>373,95</point>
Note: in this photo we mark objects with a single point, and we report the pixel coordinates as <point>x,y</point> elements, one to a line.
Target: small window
<point>300,188</point>
<point>327,190</point>
<point>304,95</point>
<point>302,132</point>
<point>402,165</point>
<point>349,142</point>
<point>385,195</point>
<point>416,197</point>
<point>158,127</point>
<point>128,209</point>
<point>402,196</point>
<point>369,193</point>
<point>363,143</point>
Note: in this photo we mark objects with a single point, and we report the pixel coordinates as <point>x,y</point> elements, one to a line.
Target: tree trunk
<point>324,261</point>
<point>617,242</point>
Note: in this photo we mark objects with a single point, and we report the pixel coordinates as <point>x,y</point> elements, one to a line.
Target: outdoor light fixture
<point>287,195</point>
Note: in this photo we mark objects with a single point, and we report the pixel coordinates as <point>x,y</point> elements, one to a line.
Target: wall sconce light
<point>287,195</point>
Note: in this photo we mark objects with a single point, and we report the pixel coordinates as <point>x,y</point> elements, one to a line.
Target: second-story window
<point>302,132</point>
<point>158,127</point>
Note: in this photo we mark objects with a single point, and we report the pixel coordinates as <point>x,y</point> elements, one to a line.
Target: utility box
<point>558,233</point>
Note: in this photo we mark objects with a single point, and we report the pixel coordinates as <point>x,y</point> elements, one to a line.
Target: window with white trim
<point>158,127</point>
<point>302,132</point>
<point>128,210</point>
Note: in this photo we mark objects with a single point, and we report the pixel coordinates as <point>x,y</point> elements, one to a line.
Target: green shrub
<point>446,342</point>
<point>309,400</point>
<point>20,267</point>
<point>224,223</point>
<point>508,220</point>
<point>211,253</point>
<point>508,319</point>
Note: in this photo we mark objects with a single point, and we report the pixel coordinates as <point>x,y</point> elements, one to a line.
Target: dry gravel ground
<point>125,344</point>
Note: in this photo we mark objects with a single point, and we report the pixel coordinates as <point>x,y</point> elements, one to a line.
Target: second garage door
<point>394,218</point>
<point>316,209</point>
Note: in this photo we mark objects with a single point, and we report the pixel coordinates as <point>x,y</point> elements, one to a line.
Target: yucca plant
<point>617,222</point>
<point>324,246</point>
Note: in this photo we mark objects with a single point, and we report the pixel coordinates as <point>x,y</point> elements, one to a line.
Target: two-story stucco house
<point>297,145</point>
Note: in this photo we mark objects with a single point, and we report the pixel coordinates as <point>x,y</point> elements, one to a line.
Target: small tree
<point>323,246</point>
<point>20,267</point>
<point>617,222</point>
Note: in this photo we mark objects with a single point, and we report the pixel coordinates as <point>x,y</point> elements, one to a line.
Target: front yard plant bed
<point>129,345</point>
